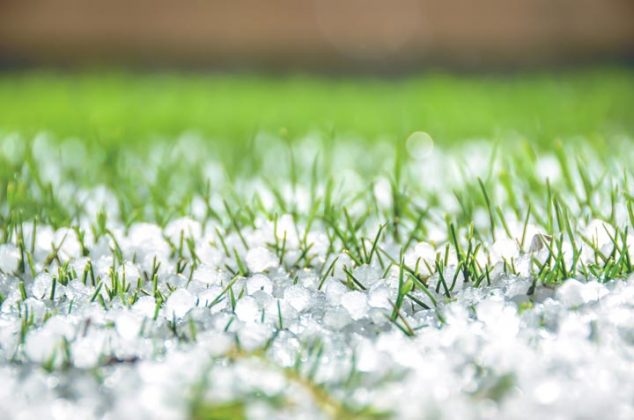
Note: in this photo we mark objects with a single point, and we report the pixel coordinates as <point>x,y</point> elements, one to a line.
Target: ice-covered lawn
<point>319,282</point>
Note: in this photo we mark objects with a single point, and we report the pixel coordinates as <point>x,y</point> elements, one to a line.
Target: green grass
<point>577,119</point>
<point>121,108</point>
<point>116,115</point>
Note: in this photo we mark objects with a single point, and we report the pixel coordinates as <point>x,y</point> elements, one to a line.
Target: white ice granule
<point>356,304</point>
<point>379,297</point>
<point>176,280</point>
<point>9,258</point>
<point>145,306</point>
<point>343,262</point>
<point>185,227</point>
<point>209,296</point>
<point>422,253</point>
<point>42,285</point>
<point>257,376</point>
<point>548,168</point>
<point>9,339</point>
<point>368,357</point>
<point>35,307</point>
<point>128,325</point>
<point>334,291</point>
<point>297,296</point>
<point>44,344</point>
<point>253,335</point>
<point>80,265</point>
<point>208,253</point>
<point>198,208</point>
<point>284,350</point>
<point>156,261</point>
<point>260,259</point>
<point>504,249</point>
<point>336,318</point>
<point>574,326</point>
<point>265,300</point>
<point>516,288</point>
<point>281,307</point>
<point>206,275</point>
<point>99,200</point>
<point>594,290</point>
<point>490,310</point>
<point>67,244</point>
<point>146,241</point>
<point>247,310</point>
<point>547,392</point>
<point>481,219</point>
<point>130,272</point>
<point>87,349</point>
<point>259,282</point>
<point>600,233</point>
<point>383,193</point>
<point>40,345</point>
<point>573,293</point>
<point>179,303</point>
<point>286,228</point>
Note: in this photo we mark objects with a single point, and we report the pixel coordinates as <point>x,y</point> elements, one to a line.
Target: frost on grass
<point>444,288</point>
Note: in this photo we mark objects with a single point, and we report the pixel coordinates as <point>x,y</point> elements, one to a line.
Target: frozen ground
<point>466,283</point>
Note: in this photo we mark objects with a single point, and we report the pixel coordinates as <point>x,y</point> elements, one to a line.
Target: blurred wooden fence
<point>314,34</point>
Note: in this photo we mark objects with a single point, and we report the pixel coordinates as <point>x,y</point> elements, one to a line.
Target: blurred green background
<point>131,108</point>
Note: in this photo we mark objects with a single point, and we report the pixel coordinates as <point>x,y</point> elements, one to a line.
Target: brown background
<point>324,34</point>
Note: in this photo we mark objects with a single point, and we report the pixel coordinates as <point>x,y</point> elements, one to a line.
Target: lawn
<point>213,246</point>
<point>128,108</point>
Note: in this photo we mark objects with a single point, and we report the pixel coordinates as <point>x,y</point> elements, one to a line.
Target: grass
<point>592,103</point>
<point>358,224</point>
<point>238,177</point>
<point>125,108</point>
